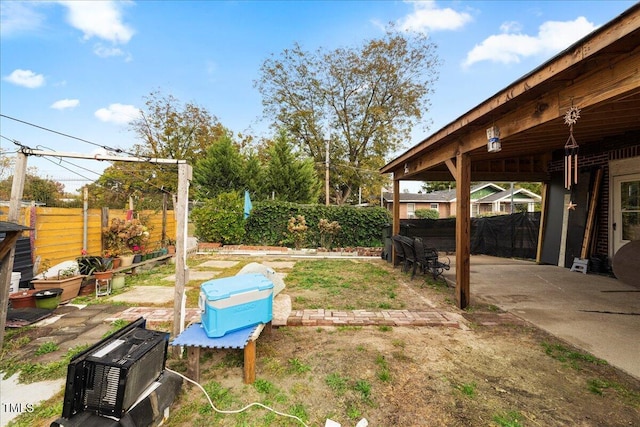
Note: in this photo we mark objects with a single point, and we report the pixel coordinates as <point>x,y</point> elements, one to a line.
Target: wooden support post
<point>395,229</point>
<point>193,362</point>
<point>543,221</point>
<point>250,362</point>
<point>185,172</point>
<point>463,229</point>
<point>17,188</point>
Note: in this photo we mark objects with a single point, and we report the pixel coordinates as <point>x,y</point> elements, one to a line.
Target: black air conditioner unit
<point>110,376</point>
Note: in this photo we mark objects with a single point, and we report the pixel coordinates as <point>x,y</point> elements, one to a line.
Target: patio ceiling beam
<point>613,82</point>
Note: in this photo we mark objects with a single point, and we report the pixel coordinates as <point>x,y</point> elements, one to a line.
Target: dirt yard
<point>494,371</point>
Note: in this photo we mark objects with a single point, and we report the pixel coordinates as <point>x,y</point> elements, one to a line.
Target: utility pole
<point>326,172</point>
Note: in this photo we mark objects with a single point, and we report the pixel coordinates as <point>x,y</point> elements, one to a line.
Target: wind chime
<point>571,149</point>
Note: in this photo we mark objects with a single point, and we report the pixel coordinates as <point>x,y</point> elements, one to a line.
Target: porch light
<point>406,168</point>
<point>493,138</point>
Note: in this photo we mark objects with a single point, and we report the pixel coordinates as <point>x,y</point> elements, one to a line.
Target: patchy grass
<point>468,389</point>
<point>31,372</point>
<point>47,347</point>
<point>509,419</point>
<point>573,358</point>
<point>339,285</point>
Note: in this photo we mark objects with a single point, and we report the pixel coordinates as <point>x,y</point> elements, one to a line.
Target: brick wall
<point>599,155</point>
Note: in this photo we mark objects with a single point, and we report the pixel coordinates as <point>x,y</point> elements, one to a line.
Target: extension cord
<point>330,423</point>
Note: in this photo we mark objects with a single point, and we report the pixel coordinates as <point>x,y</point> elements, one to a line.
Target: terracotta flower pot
<point>88,288</point>
<point>103,275</point>
<point>23,299</point>
<point>70,286</point>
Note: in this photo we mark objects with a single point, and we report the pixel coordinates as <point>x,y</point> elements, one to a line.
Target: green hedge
<point>220,219</point>
<point>267,224</point>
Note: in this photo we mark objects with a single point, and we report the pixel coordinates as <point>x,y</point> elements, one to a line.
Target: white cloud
<point>118,114</point>
<point>552,37</point>
<point>105,52</point>
<point>101,19</point>
<point>427,16</point>
<point>511,27</point>
<point>17,17</point>
<point>26,78</point>
<point>63,104</point>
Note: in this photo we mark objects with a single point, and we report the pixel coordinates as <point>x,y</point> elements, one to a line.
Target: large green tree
<point>364,100</point>
<point>221,170</point>
<point>42,190</point>
<point>170,129</point>
<point>288,176</point>
<point>167,128</point>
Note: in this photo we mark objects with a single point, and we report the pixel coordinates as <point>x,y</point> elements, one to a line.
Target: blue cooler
<point>234,303</point>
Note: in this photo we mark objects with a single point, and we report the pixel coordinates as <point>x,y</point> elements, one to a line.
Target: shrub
<point>220,219</point>
<point>328,231</point>
<point>297,226</point>
<point>267,224</point>
<point>427,214</point>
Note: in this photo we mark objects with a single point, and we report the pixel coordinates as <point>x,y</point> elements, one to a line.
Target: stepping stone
<point>195,275</point>
<point>279,264</point>
<point>218,264</point>
<point>147,295</point>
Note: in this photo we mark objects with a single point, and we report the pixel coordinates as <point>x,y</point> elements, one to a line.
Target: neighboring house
<point>486,199</point>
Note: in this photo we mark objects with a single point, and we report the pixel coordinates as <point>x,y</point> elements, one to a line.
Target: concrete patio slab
<point>599,314</point>
<point>147,295</point>
<point>195,275</point>
<point>18,397</point>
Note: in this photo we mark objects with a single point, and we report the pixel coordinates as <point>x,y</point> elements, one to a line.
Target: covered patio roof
<point>599,74</point>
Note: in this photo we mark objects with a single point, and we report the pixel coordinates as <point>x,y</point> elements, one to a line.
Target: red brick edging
<point>322,317</point>
<point>317,317</point>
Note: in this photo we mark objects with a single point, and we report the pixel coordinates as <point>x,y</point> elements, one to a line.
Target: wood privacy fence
<point>58,233</point>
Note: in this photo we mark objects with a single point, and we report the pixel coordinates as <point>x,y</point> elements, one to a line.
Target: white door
<point>626,210</point>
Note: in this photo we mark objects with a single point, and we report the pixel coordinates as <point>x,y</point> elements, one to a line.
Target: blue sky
<point>83,67</point>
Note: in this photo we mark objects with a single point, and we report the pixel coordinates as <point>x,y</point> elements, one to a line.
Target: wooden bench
<point>194,338</point>
<point>133,267</point>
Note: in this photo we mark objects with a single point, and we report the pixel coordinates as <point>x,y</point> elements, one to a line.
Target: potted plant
<point>171,246</point>
<point>137,253</point>
<point>86,263</point>
<point>102,270</point>
<point>67,278</point>
<point>126,257</point>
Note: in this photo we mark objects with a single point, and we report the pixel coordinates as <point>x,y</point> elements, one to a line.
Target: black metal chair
<point>399,258</point>
<point>428,259</point>
<point>410,255</point>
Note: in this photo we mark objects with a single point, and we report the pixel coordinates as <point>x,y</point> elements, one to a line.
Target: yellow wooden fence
<point>57,233</point>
